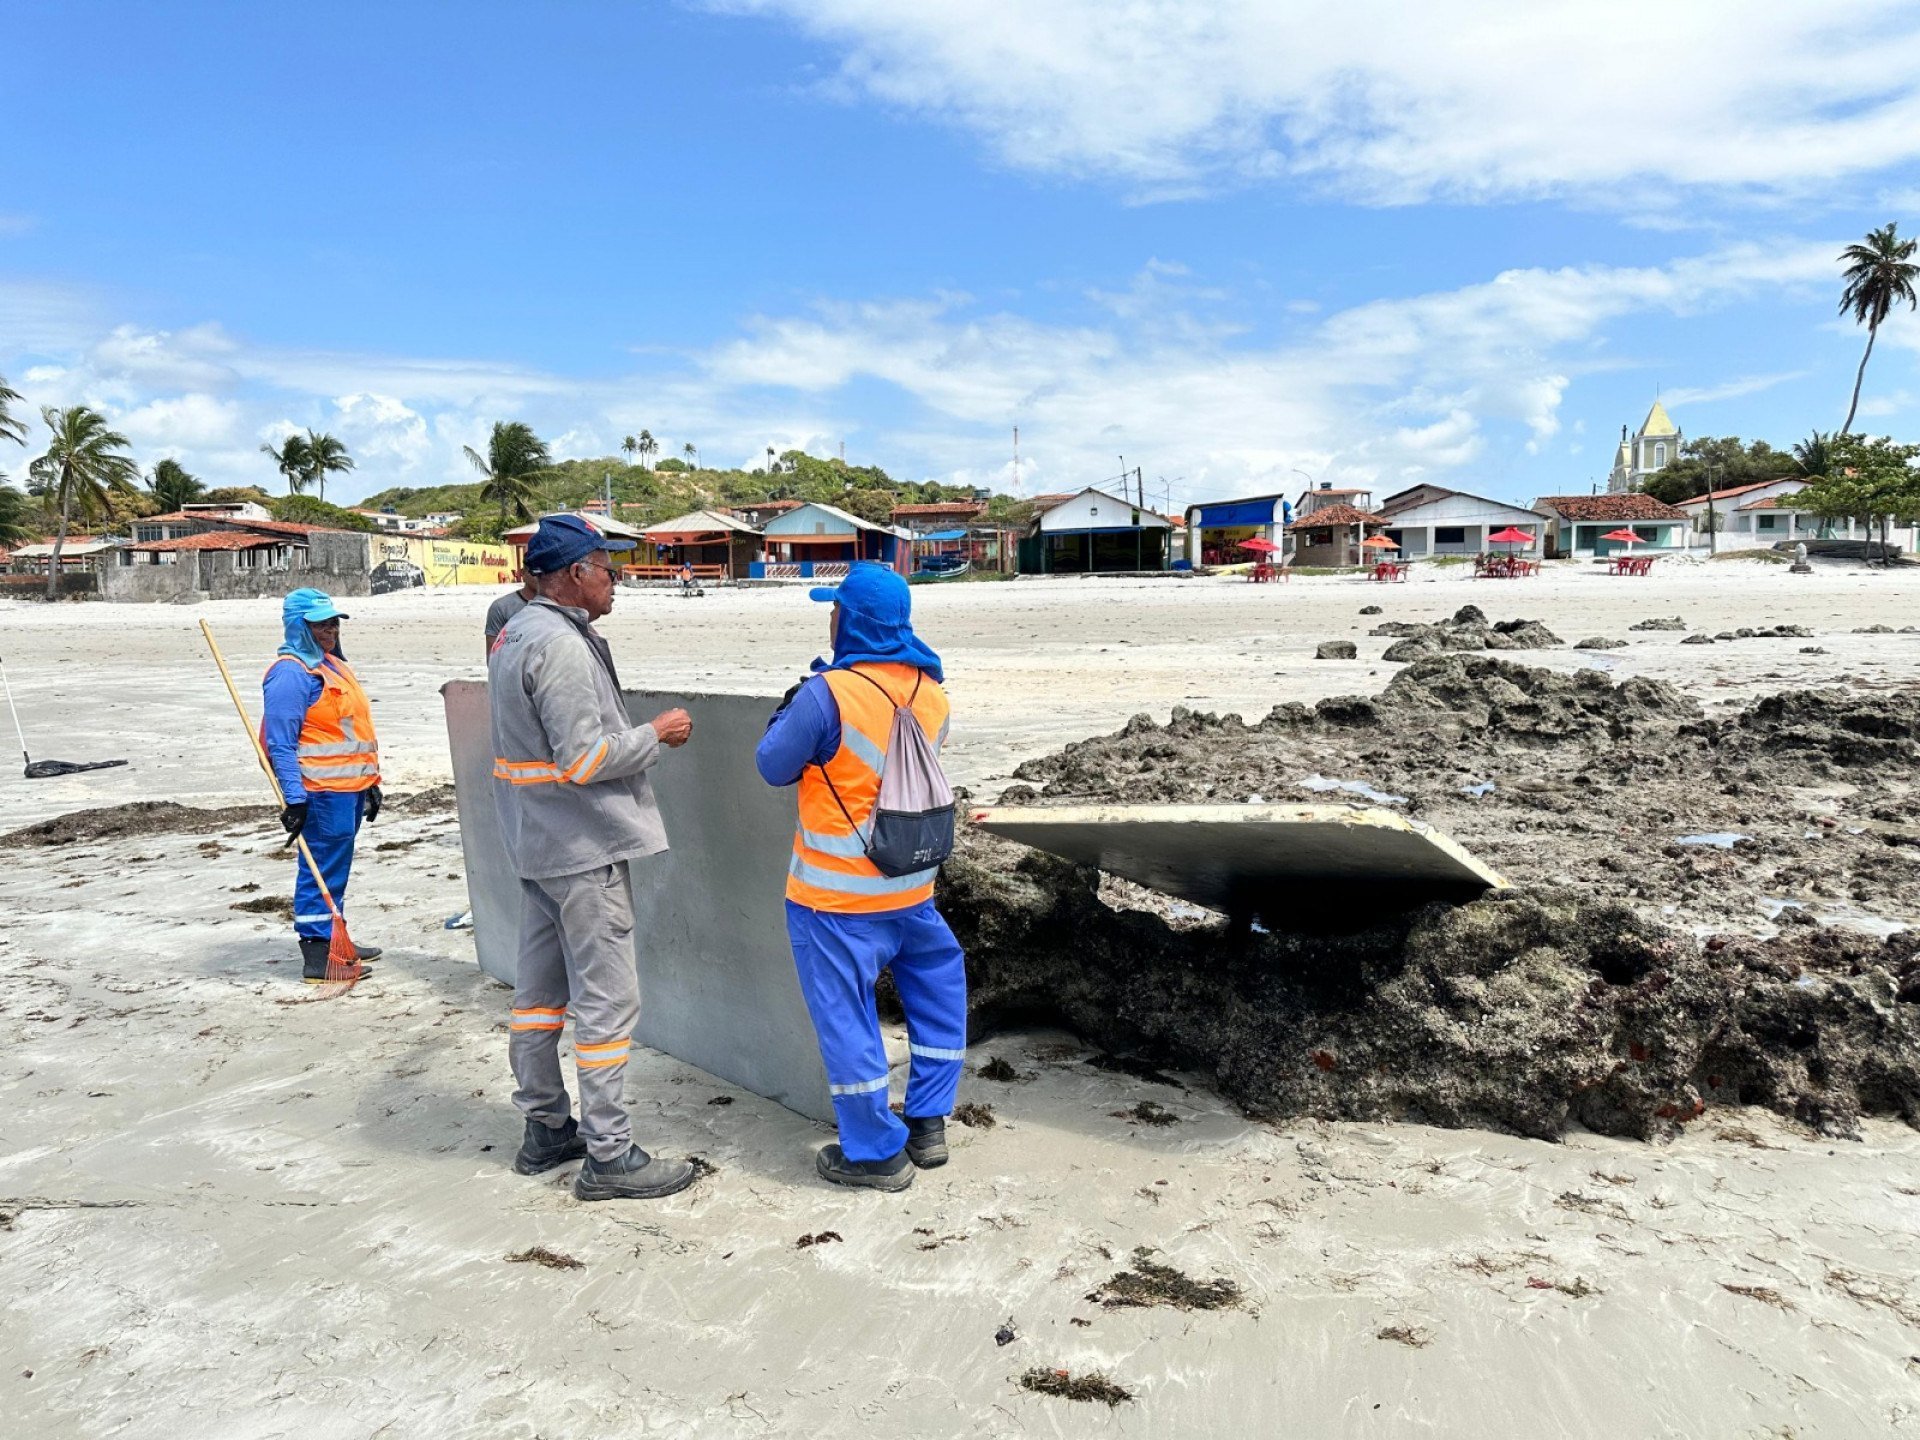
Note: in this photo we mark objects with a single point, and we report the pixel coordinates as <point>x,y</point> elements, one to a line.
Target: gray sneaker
<point>895,1173</point>
<point>635,1175</point>
<point>544,1147</point>
<point>927,1141</point>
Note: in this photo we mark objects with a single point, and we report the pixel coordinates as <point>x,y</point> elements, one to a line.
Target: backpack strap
<point>866,840</point>
<point>919,676</point>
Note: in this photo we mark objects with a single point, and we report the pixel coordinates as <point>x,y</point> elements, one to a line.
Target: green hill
<point>670,489</point>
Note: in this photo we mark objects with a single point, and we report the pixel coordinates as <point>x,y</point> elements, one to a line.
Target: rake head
<point>343,962</point>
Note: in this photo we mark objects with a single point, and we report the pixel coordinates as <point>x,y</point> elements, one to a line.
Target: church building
<point>1652,450</point>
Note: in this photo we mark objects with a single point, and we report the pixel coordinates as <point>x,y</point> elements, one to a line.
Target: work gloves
<point>293,819</point>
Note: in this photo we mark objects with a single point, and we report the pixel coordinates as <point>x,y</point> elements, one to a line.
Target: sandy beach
<point>225,1214</point>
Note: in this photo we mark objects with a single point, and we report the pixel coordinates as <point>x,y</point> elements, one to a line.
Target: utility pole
<point>1016,459</point>
<point>606,490</point>
<point>1713,519</point>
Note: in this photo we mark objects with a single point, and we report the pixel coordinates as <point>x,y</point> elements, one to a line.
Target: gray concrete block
<point>717,984</point>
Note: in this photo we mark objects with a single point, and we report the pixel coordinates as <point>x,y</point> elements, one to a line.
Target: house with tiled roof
<point>937,515</point>
<point>1576,524</point>
<point>1329,525</point>
<point>1428,519</point>
<point>757,512</point>
<point>235,552</point>
<point>1774,519</point>
<point>1646,453</point>
<point>1732,511</point>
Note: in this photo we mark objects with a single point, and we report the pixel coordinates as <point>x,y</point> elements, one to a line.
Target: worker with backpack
<point>862,737</point>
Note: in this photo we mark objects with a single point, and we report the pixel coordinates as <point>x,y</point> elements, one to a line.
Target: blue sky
<point>1230,241</point>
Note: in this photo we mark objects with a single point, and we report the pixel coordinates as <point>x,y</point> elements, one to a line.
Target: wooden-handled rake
<point>343,961</point>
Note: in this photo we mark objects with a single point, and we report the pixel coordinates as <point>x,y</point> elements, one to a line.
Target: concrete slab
<point>717,985</point>
<point>1255,860</point>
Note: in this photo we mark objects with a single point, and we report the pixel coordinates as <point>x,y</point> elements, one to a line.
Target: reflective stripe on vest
<point>829,869</point>
<point>337,751</point>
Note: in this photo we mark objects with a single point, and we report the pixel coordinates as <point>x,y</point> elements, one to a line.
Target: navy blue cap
<point>562,540</point>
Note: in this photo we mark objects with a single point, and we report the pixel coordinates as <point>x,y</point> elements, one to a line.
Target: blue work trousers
<point>839,957</point>
<point>333,820</point>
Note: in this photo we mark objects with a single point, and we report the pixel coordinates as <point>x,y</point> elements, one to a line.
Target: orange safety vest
<point>829,869</point>
<point>338,751</point>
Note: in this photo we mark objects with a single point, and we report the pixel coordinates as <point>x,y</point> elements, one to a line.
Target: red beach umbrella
<point>1622,536</point>
<point>1378,542</point>
<point>1512,535</point>
<point>1259,544</point>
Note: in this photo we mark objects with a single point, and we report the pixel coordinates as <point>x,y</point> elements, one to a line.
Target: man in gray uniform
<point>576,807</point>
<point>508,606</point>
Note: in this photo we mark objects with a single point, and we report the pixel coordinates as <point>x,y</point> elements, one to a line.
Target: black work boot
<point>368,953</point>
<point>544,1147</point>
<point>927,1141</point>
<point>313,960</point>
<point>894,1173</point>
<point>635,1175</point>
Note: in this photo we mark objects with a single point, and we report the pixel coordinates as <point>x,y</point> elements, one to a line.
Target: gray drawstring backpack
<point>912,824</point>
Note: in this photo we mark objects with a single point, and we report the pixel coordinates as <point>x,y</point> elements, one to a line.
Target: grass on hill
<point>645,496</point>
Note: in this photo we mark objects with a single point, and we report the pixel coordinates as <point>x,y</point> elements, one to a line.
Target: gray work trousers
<point>576,954</point>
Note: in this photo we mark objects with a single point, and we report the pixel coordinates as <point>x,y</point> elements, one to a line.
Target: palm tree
<point>14,429</point>
<point>1880,274</point>
<point>325,456</point>
<point>769,459</point>
<point>85,468</point>
<point>172,487</point>
<point>514,455</point>
<point>11,426</point>
<point>692,452</point>
<point>15,526</point>
<point>1814,455</point>
<point>649,447</point>
<point>291,461</point>
<point>631,446</point>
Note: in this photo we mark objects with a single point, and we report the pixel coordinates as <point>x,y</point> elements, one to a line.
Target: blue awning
<point>1239,512</point>
<point>944,535</point>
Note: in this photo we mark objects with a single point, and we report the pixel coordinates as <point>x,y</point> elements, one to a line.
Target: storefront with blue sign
<point>1217,528</point>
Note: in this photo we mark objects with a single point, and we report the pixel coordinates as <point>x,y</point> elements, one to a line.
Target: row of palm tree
<point>308,459</point>
<point>646,447</point>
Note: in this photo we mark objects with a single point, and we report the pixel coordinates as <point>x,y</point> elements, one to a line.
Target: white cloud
<point>382,431</point>
<point>1729,389</point>
<point>182,423</point>
<point>1393,103</point>
<point>1449,382</point>
<point>1379,392</point>
<point>199,358</point>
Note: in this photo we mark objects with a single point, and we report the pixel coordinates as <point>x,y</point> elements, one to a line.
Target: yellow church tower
<point>1656,446</point>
